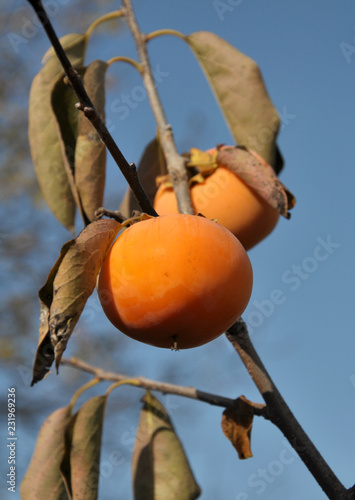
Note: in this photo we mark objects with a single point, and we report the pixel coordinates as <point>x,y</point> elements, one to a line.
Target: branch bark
<point>128,170</point>
<point>163,387</point>
<point>280,415</point>
<point>112,214</point>
<point>175,162</point>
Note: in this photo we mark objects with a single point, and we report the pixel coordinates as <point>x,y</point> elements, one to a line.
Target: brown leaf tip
<point>43,362</point>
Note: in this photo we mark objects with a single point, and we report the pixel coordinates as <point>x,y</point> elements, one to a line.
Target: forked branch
<point>154,385</point>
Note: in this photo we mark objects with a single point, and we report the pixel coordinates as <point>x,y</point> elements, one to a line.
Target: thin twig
<point>175,162</point>
<point>112,214</point>
<point>128,170</point>
<point>281,416</point>
<point>163,387</point>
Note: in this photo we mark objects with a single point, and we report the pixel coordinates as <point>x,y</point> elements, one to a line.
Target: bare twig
<point>128,170</point>
<point>175,163</point>
<point>281,416</point>
<point>112,214</point>
<point>163,387</point>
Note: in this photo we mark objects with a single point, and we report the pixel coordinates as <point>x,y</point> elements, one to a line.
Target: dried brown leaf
<point>240,90</point>
<point>63,100</point>
<point>160,468</point>
<point>81,462</point>
<point>260,176</point>
<point>43,133</point>
<point>151,165</point>
<point>237,421</point>
<point>43,479</point>
<point>90,151</point>
<point>45,353</point>
<point>70,283</point>
<point>64,465</point>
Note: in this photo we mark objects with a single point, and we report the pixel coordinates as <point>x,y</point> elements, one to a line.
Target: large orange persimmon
<point>175,281</point>
<point>225,197</point>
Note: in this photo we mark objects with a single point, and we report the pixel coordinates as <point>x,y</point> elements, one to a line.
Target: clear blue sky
<point>306,52</point>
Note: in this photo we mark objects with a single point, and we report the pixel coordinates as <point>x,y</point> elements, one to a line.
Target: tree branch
<point>112,214</point>
<point>163,387</point>
<point>281,416</point>
<point>128,170</point>
<point>175,162</point>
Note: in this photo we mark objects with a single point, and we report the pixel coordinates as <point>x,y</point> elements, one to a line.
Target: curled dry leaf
<point>240,90</point>
<point>237,422</point>
<point>80,464</point>
<point>70,283</point>
<point>43,479</point>
<point>260,176</point>
<point>90,151</point>
<point>45,146</point>
<point>160,468</point>
<point>151,165</point>
<point>45,351</point>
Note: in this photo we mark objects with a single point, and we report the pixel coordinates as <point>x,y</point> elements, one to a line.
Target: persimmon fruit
<point>228,199</point>
<point>175,281</point>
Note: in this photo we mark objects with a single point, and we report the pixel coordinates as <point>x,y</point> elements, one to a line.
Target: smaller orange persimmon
<point>225,197</point>
<point>176,280</point>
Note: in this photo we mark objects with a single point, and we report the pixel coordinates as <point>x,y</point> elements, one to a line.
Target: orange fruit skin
<point>175,275</point>
<point>225,197</point>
